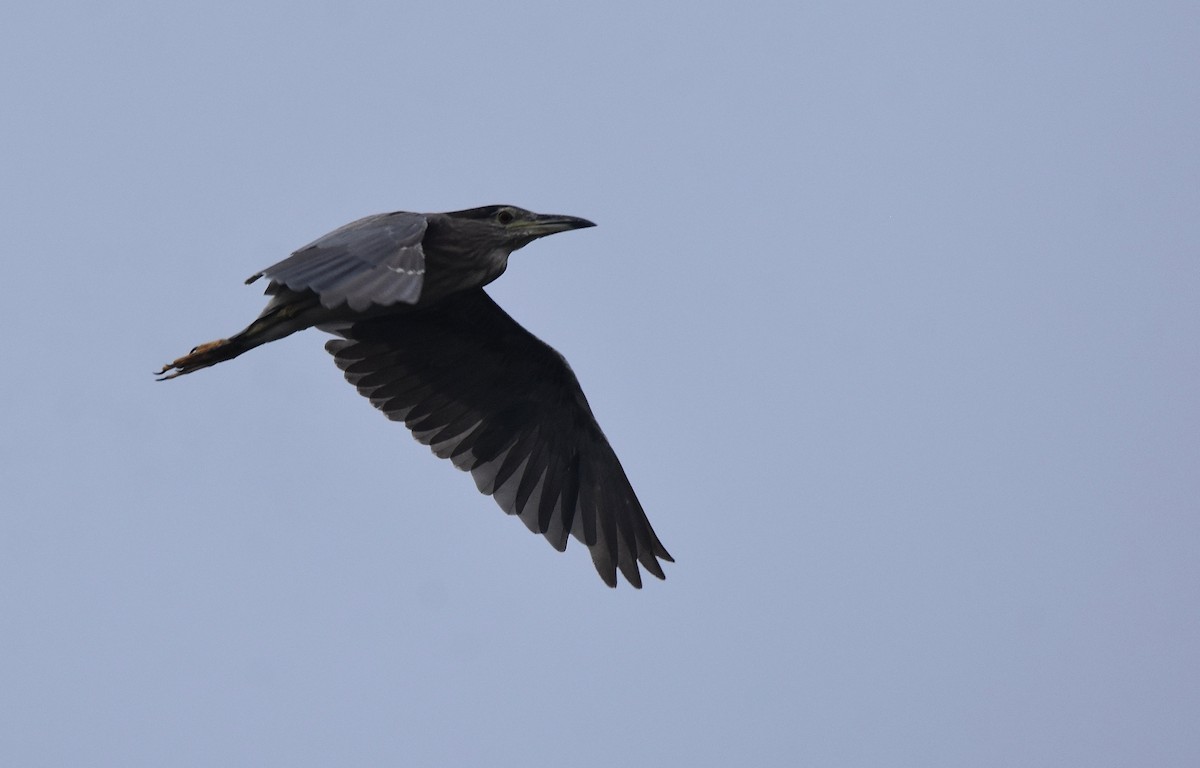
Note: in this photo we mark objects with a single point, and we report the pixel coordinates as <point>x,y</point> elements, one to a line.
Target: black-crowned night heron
<point>422,340</point>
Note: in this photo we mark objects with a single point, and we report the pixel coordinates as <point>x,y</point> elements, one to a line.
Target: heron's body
<point>423,341</point>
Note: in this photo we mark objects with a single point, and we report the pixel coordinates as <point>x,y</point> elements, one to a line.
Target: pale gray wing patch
<point>377,260</point>
<point>484,393</point>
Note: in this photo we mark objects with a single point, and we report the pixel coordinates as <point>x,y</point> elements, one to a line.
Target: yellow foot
<point>209,353</point>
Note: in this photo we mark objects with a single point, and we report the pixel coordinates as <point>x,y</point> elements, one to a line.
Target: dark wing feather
<point>377,260</point>
<point>480,390</point>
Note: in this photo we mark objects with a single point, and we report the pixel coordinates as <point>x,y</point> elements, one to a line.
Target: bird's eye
<point>505,217</point>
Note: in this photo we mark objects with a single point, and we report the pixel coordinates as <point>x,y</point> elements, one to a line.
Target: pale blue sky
<point>892,314</point>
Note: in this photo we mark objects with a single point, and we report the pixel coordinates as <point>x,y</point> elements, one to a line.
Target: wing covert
<point>377,260</point>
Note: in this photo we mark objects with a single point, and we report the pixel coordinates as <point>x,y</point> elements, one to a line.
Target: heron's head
<point>497,227</point>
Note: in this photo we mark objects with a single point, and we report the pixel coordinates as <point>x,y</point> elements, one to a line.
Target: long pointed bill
<point>548,224</point>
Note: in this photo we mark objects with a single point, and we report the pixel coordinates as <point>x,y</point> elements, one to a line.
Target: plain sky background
<point>892,314</point>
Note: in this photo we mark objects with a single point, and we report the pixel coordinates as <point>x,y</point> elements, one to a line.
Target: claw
<point>201,356</point>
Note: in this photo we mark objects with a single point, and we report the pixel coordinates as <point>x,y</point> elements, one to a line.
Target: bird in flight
<point>422,340</point>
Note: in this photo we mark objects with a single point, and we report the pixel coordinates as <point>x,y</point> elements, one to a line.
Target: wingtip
<point>608,573</point>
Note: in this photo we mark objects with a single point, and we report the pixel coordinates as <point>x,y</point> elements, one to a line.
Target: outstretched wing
<point>376,260</point>
<point>480,390</point>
